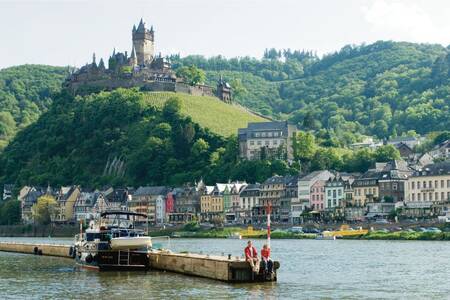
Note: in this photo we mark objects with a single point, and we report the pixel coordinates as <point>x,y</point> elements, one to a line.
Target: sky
<point>68,32</point>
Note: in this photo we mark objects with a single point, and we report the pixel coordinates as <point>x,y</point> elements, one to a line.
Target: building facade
<point>431,184</point>
<point>144,201</point>
<point>267,140</point>
<point>334,192</point>
<point>318,195</point>
<point>248,198</point>
<point>303,200</point>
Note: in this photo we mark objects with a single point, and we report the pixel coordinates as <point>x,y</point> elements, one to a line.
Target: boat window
<point>90,236</point>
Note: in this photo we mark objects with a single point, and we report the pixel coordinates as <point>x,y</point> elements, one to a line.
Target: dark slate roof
<point>441,168</point>
<point>255,186</point>
<point>399,165</point>
<point>151,190</point>
<point>444,144</point>
<point>370,174</point>
<point>275,180</point>
<point>291,181</point>
<point>267,126</point>
<point>310,175</point>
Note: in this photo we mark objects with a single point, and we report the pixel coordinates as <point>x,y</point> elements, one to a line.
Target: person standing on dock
<point>265,259</point>
<point>251,255</point>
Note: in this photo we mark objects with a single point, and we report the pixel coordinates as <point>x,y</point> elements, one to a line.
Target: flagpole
<point>269,209</point>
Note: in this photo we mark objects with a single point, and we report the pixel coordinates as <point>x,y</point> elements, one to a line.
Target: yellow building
<point>365,188</point>
<point>67,197</point>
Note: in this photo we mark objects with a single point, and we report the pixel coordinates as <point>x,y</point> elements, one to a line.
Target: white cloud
<point>404,20</point>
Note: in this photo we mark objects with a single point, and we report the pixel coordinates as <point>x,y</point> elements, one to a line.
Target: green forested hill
<point>383,89</point>
<point>129,137</point>
<point>25,92</point>
<point>112,137</point>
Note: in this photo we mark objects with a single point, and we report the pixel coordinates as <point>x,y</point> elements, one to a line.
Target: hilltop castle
<point>141,69</point>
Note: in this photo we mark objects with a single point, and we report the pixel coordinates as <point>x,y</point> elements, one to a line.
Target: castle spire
<point>141,27</point>
<point>101,64</point>
<point>133,53</point>
<point>134,28</point>
<point>93,59</point>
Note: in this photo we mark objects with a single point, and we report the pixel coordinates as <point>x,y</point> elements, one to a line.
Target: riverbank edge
<point>221,233</point>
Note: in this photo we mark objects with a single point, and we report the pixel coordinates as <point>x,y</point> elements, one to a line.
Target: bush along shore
<point>403,235</point>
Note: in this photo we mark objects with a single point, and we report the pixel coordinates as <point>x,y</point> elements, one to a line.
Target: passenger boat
<point>113,243</point>
<point>235,235</point>
<point>326,235</point>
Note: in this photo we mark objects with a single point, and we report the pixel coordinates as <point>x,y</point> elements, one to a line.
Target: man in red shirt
<point>266,261</point>
<point>251,255</point>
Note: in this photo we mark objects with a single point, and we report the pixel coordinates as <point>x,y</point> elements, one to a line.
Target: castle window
<point>257,134</point>
<point>269,134</point>
<point>263,134</point>
<point>275,142</point>
<point>275,134</point>
<point>252,143</point>
<point>267,143</point>
<point>259,143</point>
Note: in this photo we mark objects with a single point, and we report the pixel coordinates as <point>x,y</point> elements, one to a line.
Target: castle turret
<point>132,60</point>
<point>101,65</point>
<point>143,42</point>
<point>223,91</point>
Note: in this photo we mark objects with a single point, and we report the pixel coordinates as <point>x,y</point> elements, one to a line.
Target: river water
<point>310,269</point>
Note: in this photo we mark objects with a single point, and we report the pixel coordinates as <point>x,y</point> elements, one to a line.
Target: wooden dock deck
<point>228,269</point>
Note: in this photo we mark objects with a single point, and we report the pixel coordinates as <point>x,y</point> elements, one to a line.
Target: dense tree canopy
<point>25,92</point>
<point>383,89</point>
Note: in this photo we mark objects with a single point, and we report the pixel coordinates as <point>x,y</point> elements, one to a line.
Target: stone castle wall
<point>89,86</point>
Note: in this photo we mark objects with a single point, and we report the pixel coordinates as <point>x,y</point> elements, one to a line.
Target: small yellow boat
<point>346,230</point>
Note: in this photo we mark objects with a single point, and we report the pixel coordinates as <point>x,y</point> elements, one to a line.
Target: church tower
<point>143,42</point>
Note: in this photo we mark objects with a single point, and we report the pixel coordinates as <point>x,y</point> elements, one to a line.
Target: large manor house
<point>142,68</point>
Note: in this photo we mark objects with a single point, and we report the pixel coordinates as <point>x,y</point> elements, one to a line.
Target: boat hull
<point>114,260</point>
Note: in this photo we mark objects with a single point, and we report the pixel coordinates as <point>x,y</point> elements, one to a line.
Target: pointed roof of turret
<point>101,64</point>
<point>133,53</point>
<point>141,27</point>
<point>134,28</point>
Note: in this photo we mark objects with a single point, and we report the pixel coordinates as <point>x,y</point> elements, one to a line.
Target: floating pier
<point>228,269</point>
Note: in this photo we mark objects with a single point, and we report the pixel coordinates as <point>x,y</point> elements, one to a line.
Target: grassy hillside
<point>208,112</point>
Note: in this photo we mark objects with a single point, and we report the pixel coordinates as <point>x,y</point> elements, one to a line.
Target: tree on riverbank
<point>10,213</point>
<point>44,210</point>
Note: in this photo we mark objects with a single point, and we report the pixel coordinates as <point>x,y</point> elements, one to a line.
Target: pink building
<point>317,195</point>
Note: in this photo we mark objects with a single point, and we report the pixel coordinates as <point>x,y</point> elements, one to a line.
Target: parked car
<point>410,230</point>
<point>296,229</point>
<point>434,230</point>
<point>311,230</point>
<point>381,221</point>
<point>384,230</point>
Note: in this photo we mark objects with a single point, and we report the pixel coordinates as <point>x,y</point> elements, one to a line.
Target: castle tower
<point>223,91</point>
<point>143,42</point>
<point>132,60</point>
